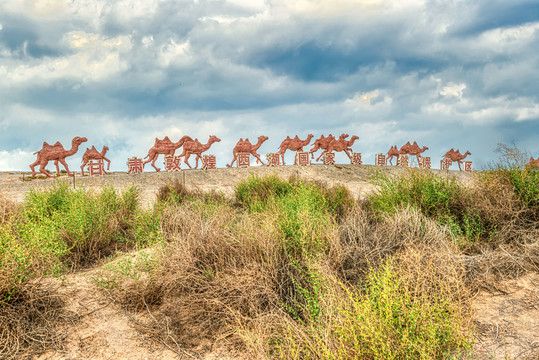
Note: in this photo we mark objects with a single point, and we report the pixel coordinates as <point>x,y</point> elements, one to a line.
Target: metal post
<point>74,187</point>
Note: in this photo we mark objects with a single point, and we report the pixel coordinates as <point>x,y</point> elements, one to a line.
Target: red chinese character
<point>424,162</point>
<point>468,166</point>
<point>96,167</point>
<point>273,159</point>
<point>356,158</point>
<point>173,163</point>
<point>402,160</point>
<point>329,158</point>
<point>209,162</point>
<point>244,159</point>
<point>380,159</point>
<point>446,163</point>
<point>135,165</point>
<point>302,158</point>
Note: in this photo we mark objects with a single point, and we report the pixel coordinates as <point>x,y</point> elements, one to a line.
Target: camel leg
<point>57,168</point>
<point>323,152</point>
<point>42,169</point>
<point>198,157</point>
<point>108,161</point>
<point>233,160</point>
<point>389,158</point>
<point>282,156</point>
<point>32,166</point>
<point>153,163</point>
<point>186,160</point>
<point>348,153</point>
<point>459,162</point>
<point>82,168</point>
<point>63,162</point>
<point>257,157</point>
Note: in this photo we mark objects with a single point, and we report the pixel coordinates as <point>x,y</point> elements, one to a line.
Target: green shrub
<point>440,198</point>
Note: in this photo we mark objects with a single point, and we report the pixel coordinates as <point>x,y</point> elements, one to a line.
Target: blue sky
<point>449,74</point>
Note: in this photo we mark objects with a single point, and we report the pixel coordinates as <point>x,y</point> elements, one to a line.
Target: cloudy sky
<point>447,73</point>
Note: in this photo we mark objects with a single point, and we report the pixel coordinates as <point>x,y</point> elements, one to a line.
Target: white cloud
<point>453,90</point>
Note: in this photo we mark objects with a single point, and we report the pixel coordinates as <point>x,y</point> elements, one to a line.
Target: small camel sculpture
<point>533,164</point>
<point>245,146</point>
<point>57,153</point>
<point>340,139</point>
<point>195,147</point>
<point>294,144</point>
<point>393,151</point>
<point>165,147</point>
<point>341,144</point>
<point>321,143</point>
<point>412,150</point>
<point>93,154</point>
<point>456,156</point>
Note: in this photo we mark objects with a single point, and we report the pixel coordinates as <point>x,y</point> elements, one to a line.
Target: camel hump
<point>93,148</point>
<point>45,144</point>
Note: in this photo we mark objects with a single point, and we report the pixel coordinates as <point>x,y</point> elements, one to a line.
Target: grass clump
<point>441,198</point>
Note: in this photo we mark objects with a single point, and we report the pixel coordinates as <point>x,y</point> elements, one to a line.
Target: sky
<point>460,74</point>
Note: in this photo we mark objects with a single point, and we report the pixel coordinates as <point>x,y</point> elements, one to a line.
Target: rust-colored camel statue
<point>57,153</point>
<point>341,139</point>
<point>245,146</point>
<point>456,156</point>
<point>341,144</point>
<point>321,143</point>
<point>195,147</point>
<point>393,151</point>
<point>165,147</point>
<point>533,164</point>
<point>294,144</point>
<point>412,149</point>
<point>93,154</point>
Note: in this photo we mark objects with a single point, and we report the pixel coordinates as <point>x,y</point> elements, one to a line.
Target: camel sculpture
<point>165,147</point>
<point>341,144</point>
<point>93,154</point>
<point>412,149</point>
<point>195,147</point>
<point>245,146</point>
<point>341,139</point>
<point>393,151</point>
<point>533,164</point>
<point>294,144</point>
<point>321,143</point>
<point>57,153</point>
<point>456,156</point>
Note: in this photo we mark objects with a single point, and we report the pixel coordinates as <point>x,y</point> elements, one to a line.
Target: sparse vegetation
<point>286,269</point>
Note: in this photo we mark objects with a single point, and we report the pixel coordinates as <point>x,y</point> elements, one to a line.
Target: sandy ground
<point>507,324</point>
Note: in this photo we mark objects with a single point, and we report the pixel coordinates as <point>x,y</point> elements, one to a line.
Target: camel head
<point>424,148</point>
<point>77,140</point>
<point>354,138</point>
<point>343,136</point>
<point>262,138</point>
<point>213,139</point>
<point>467,153</point>
<point>105,149</point>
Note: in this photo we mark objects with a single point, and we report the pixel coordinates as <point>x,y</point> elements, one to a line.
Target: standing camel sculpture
<point>393,151</point>
<point>321,143</point>
<point>341,144</point>
<point>341,139</point>
<point>294,144</point>
<point>456,156</point>
<point>165,147</point>
<point>412,149</point>
<point>195,147</point>
<point>57,153</point>
<point>245,146</point>
<point>93,154</point>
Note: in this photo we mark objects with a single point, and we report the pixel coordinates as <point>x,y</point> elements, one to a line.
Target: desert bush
<point>177,192</point>
<point>441,198</point>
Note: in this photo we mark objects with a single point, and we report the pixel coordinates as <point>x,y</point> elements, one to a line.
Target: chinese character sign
<point>445,163</point>
<point>273,159</point>
<point>468,166</point>
<point>329,158</point>
<point>424,162</point>
<point>402,160</point>
<point>356,158</point>
<point>209,162</point>
<point>302,158</point>
<point>173,163</point>
<point>380,159</point>
<point>96,167</point>
<point>135,166</point>
<point>244,159</point>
